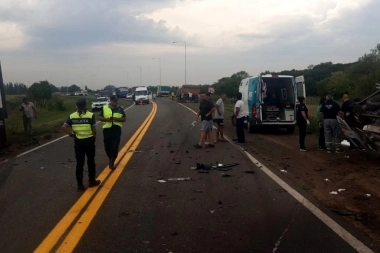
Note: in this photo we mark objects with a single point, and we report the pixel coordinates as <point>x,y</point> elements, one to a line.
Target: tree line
<point>356,79</point>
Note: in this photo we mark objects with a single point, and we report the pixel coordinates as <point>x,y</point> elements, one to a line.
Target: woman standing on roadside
<point>302,122</point>
<point>321,140</point>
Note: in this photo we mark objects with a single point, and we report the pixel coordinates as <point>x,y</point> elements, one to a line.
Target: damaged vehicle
<point>362,123</point>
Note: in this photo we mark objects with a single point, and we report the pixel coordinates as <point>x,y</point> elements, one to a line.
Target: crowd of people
<point>329,128</point>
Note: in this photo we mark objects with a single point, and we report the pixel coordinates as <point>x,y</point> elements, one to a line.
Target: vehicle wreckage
<point>362,123</point>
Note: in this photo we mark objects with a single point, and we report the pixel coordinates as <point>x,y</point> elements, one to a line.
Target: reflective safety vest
<point>108,113</point>
<point>81,125</point>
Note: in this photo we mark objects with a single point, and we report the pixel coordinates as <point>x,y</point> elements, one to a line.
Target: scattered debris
<point>284,171</point>
<point>341,190</point>
<point>249,172</point>
<point>135,151</point>
<point>226,175</point>
<point>220,203</point>
<point>171,151</point>
<point>346,156</point>
<point>367,195</point>
<point>161,181</point>
<point>212,211</point>
<point>327,180</point>
<point>175,233</point>
<point>358,216</point>
<point>333,193</point>
<point>180,179</point>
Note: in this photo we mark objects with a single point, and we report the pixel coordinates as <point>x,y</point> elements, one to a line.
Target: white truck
<point>141,95</point>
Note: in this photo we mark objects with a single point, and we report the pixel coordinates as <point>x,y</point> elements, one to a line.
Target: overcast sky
<point>98,42</point>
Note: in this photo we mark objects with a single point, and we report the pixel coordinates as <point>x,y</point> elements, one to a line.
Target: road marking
<point>58,231</point>
<point>60,138</point>
<point>80,227</point>
<point>339,230</point>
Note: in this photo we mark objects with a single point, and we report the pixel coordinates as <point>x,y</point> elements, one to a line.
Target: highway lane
<point>241,213</point>
<point>211,213</point>
<point>40,187</point>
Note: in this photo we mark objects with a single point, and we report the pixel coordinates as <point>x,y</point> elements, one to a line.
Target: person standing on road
<point>112,117</point>
<point>239,116</point>
<point>28,113</point>
<point>329,112</point>
<point>321,139</point>
<point>190,96</point>
<point>81,126</point>
<point>172,95</point>
<point>219,118</point>
<point>206,108</point>
<point>302,122</point>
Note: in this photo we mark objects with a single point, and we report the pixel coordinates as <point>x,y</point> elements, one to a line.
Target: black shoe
<point>197,146</point>
<point>235,139</point>
<point>93,183</point>
<point>81,188</point>
<point>112,164</point>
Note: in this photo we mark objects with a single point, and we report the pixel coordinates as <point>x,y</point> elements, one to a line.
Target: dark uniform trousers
<point>83,148</point>
<point>112,141</point>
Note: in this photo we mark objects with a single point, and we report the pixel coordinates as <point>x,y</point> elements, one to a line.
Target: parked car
<point>129,96</point>
<point>99,102</point>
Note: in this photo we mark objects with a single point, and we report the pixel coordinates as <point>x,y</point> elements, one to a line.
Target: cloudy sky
<point>100,42</point>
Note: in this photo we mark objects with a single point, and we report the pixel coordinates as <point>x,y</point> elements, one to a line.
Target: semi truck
<point>163,91</point>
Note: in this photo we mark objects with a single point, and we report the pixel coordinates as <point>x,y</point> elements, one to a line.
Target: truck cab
<point>271,100</point>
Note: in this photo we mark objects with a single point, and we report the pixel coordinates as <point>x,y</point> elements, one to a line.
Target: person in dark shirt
<point>206,108</point>
<point>345,106</point>
<point>302,122</point>
<point>329,111</point>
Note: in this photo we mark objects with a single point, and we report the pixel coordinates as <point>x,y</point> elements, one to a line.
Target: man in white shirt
<point>240,118</point>
<point>28,113</point>
<point>219,118</point>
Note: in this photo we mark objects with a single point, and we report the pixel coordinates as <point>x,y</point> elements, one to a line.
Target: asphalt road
<point>239,213</point>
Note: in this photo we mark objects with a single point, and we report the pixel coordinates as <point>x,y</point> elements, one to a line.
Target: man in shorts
<point>219,118</point>
<point>206,108</point>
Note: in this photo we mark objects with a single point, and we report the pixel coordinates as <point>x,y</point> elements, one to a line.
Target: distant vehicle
<point>99,102</point>
<point>163,91</point>
<point>271,100</point>
<point>121,92</point>
<point>129,96</point>
<point>189,93</point>
<point>141,95</point>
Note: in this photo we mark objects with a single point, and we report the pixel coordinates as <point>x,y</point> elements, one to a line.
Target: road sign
<point>211,90</point>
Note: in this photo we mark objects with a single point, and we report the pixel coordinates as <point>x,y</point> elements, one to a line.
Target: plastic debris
<point>367,195</point>
<point>333,193</point>
<point>284,171</point>
<point>346,156</point>
<point>180,179</point>
<point>161,181</point>
<point>341,190</point>
<point>327,180</point>
<point>212,211</point>
<point>193,124</point>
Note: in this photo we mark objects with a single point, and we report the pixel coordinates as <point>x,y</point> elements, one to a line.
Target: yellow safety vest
<point>81,125</point>
<point>107,113</point>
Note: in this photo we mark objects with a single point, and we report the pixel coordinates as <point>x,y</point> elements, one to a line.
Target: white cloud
<point>11,36</point>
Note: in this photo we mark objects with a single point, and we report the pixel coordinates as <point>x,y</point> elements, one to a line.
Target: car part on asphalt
<point>180,179</point>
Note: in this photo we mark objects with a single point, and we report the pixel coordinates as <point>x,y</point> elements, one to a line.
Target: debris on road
<point>249,172</point>
<point>180,179</point>
<point>367,195</point>
<point>346,156</point>
<point>341,190</point>
<point>135,151</point>
<point>175,233</point>
<point>284,171</point>
<point>198,191</point>
<point>226,175</point>
<point>358,216</point>
<point>327,180</point>
<point>212,211</point>
<point>161,181</point>
<point>333,193</point>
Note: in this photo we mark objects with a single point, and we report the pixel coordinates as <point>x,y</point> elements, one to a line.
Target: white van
<point>141,95</point>
<point>271,100</point>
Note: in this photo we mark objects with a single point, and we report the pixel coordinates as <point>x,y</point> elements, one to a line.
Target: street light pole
<point>159,59</point>
<point>185,56</point>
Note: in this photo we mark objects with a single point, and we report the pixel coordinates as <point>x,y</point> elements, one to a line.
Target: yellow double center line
<point>98,195</point>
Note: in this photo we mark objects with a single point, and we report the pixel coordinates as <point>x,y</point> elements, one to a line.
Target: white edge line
<point>339,230</point>
<point>60,138</point>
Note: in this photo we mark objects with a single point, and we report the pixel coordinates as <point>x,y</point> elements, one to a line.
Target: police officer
<point>81,126</point>
<point>112,117</point>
